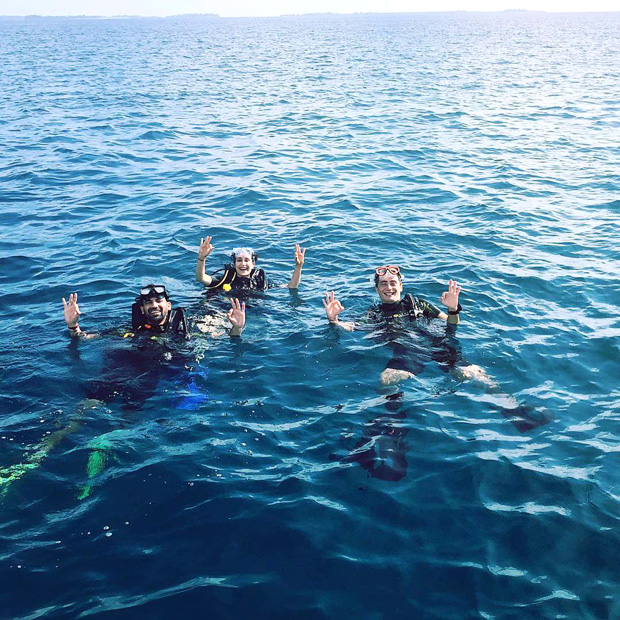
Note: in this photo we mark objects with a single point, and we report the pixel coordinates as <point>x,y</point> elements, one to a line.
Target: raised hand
<point>450,298</point>
<point>332,307</point>
<point>300,255</point>
<point>72,310</point>
<point>205,248</point>
<point>236,315</point>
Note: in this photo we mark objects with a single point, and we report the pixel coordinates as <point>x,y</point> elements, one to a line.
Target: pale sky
<point>255,8</point>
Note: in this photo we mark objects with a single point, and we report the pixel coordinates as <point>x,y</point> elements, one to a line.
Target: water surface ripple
<point>482,147</point>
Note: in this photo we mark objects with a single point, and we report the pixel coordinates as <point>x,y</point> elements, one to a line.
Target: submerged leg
<point>382,449</point>
<point>101,450</point>
<point>523,417</point>
<point>400,367</point>
<point>16,472</point>
<point>473,372</point>
<point>526,418</point>
<point>392,376</point>
<point>194,395</point>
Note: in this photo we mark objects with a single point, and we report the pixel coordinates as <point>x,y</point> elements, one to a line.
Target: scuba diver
<point>156,347</point>
<point>390,321</point>
<point>241,273</point>
<point>392,309</point>
<point>132,371</point>
<point>152,313</point>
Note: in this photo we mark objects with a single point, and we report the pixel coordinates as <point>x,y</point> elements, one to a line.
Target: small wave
<point>16,196</point>
<point>59,139</point>
<point>15,268</point>
<point>155,134</point>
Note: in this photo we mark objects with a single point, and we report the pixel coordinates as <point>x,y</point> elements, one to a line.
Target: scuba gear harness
<point>230,280</point>
<point>175,322</point>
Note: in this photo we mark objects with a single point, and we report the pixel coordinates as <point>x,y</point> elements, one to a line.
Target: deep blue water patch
<point>273,476</point>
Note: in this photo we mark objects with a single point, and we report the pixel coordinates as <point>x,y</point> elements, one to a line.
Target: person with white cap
<point>241,274</point>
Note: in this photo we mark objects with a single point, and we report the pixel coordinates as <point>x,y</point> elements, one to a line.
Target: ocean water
<point>281,480</point>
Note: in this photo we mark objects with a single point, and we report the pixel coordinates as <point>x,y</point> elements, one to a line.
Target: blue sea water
<point>282,481</point>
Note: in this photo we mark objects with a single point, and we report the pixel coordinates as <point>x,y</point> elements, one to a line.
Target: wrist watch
<point>454,312</point>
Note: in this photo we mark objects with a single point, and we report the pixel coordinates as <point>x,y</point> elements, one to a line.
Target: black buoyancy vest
<point>256,280</point>
<point>176,323</point>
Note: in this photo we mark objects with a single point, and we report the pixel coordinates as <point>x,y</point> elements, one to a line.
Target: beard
<point>155,316</point>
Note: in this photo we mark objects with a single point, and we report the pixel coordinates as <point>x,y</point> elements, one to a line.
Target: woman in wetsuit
<point>241,273</point>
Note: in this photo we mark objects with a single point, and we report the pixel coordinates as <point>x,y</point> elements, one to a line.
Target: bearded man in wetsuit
<point>152,312</point>
<point>132,369</point>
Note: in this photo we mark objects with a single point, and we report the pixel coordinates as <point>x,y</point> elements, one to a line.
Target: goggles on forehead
<point>381,271</point>
<point>153,290</point>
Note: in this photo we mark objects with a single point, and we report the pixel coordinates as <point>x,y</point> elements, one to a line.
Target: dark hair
<point>377,276</point>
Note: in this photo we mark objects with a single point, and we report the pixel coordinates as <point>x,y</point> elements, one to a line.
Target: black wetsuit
<point>412,348</point>
<point>232,283</point>
<point>408,307</point>
<point>404,327</point>
<point>132,368</point>
<point>137,360</point>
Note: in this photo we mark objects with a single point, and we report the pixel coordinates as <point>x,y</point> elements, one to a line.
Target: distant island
<point>187,16</point>
<point>214,16</point>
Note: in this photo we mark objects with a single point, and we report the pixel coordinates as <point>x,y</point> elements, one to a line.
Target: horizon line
<point>331,13</point>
